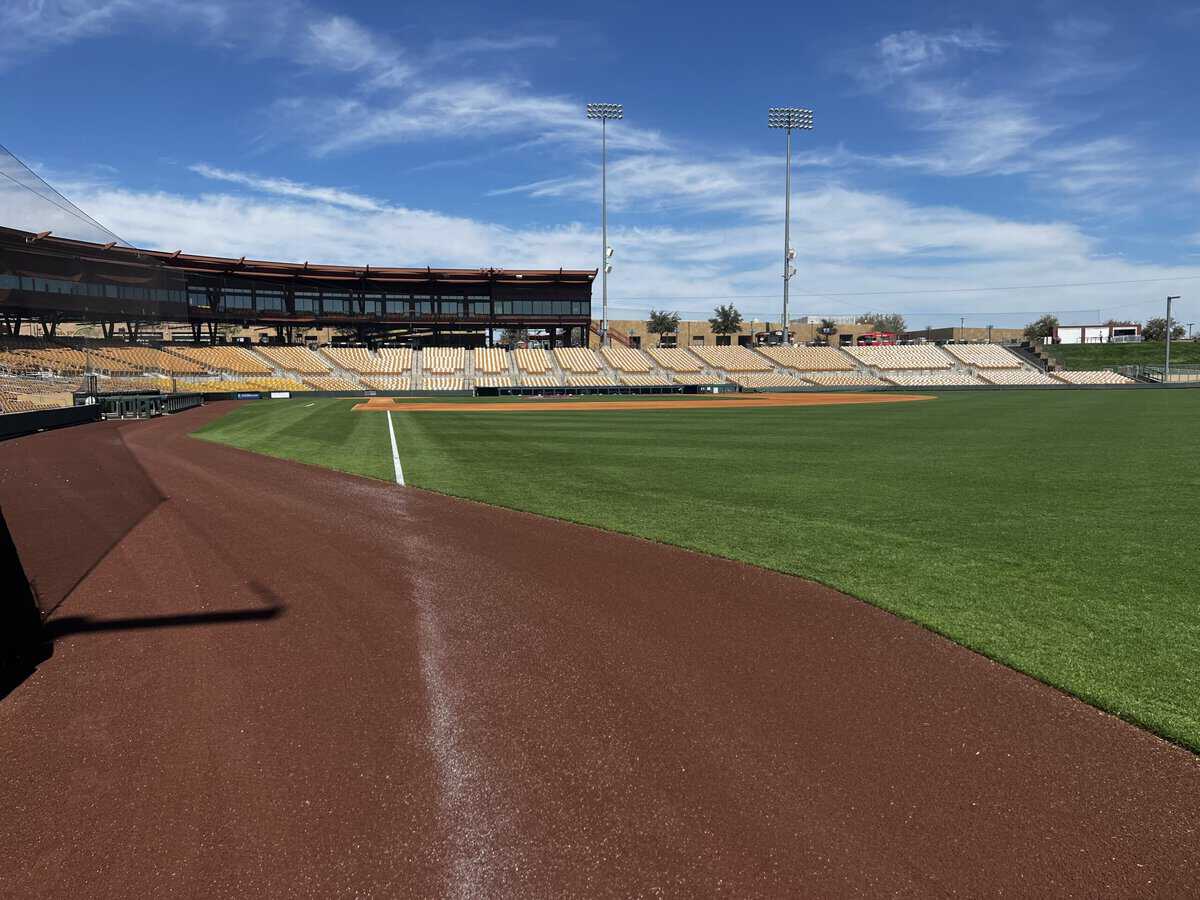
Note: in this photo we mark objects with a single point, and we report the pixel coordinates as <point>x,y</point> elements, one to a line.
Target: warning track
<point>547,404</point>
<point>286,681</point>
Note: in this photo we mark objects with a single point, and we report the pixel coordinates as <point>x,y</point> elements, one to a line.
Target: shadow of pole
<point>87,624</point>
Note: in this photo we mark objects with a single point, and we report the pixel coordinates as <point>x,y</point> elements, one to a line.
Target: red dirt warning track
<point>540,404</point>
<point>457,700</point>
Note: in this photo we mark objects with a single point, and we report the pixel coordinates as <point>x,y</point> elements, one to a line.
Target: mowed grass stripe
<point>1054,531</point>
<point>324,433</point>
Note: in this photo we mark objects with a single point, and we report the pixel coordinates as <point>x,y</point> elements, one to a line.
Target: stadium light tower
<point>788,117</point>
<point>1167,367</point>
<point>604,112</point>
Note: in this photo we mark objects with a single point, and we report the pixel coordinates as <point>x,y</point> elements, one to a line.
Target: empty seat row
<point>920,356</point>
<point>1085,377</point>
<point>386,361</point>
<point>732,359</point>
<point>577,359</point>
<point>296,359</point>
<point>983,356</point>
<point>809,359</point>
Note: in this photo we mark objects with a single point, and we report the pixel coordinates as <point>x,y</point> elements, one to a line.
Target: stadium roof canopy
<point>256,268</point>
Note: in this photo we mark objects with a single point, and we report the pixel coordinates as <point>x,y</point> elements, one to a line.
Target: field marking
<point>395,452</point>
<point>307,405</point>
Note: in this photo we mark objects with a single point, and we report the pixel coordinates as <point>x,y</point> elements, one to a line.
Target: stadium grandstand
<point>393,330</point>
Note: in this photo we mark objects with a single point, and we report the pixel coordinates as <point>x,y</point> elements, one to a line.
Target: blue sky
<point>957,146</point>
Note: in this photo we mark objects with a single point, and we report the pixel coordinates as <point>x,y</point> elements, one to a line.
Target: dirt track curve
<point>289,682</point>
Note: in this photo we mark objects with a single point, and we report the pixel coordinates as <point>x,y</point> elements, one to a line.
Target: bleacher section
<point>235,360</point>
<point>149,383</point>
<point>676,359</point>
<point>535,362</point>
<point>48,358</point>
<point>809,359</point>
<point>626,359</point>
<point>388,361</point>
<point>495,381</point>
<point>580,360</point>
<point>732,359</point>
<point>540,380</point>
<point>931,379</point>
<point>983,356</point>
<point>1086,377</point>
<point>148,359</point>
<point>34,367</point>
<point>920,356</point>
<point>766,380</point>
<point>845,379</point>
<point>296,359</point>
<point>1016,376</point>
<point>490,361</point>
<point>443,384</point>
<point>238,385</point>
<point>330,383</point>
<point>443,360</point>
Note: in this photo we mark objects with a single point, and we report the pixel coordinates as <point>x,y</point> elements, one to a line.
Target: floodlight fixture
<point>604,112</point>
<point>787,118</point>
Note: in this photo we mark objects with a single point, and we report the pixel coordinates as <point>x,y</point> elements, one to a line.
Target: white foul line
<point>395,452</point>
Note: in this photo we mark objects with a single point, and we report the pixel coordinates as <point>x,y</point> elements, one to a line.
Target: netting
<point>29,203</point>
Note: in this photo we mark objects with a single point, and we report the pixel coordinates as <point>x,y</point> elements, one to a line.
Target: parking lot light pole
<point>604,112</point>
<point>787,118</point>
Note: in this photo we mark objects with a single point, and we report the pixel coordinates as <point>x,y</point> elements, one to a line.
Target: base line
<point>395,452</point>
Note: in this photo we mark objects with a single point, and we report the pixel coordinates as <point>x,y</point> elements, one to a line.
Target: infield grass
<point>1054,531</point>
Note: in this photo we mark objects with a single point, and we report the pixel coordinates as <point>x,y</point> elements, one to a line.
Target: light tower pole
<point>787,118</point>
<point>1167,375</point>
<point>604,112</point>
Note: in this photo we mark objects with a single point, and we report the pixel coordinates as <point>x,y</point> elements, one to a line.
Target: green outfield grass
<point>1054,531</point>
<point>1099,356</point>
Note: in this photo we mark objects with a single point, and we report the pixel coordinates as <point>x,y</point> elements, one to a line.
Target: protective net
<point>29,203</point>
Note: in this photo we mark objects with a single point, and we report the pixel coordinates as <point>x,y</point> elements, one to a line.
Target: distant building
<point>1126,332</point>
<point>985,335</point>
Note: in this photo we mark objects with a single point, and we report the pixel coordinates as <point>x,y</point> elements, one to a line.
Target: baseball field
<point>1051,531</point>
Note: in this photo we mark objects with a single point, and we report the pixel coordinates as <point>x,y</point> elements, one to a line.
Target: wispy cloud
<point>1035,126</point>
<point>31,27</point>
<point>909,52</point>
<point>284,187</point>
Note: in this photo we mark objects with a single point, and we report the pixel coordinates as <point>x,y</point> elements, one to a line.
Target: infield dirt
<point>554,404</point>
